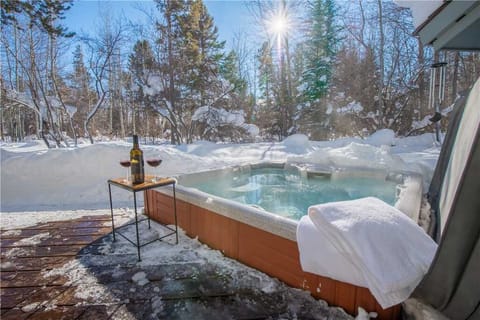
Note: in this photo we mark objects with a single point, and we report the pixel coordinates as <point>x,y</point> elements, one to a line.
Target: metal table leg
<point>136,224</point>
<point>175,213</point>
<point>147,205</point>
<point>111,209</point>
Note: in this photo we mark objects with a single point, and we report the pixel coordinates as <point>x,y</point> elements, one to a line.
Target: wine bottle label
<point>138,175</point>
<point>137,165</point>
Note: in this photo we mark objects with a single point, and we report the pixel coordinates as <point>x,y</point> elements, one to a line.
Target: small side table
<point>121,183</point>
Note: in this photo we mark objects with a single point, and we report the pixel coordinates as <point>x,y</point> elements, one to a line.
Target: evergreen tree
<point>266,74</point>
<point>229,71</point>
<point>143,69</point>
<point>171,66</point>
<point>80,77</point>
<point>141,63</point>
<point>80,87</point>
<point>238,97</point>
<point>40,13</point>
<point>203,51</point>
<point>190,59</point>
<point>269,115</point>
<point>320,49</point>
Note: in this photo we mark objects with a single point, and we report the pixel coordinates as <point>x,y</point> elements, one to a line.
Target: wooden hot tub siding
<point>272,254</point>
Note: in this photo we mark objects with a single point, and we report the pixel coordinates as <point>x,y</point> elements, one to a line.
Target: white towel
<point>385,246</point>
<point>319,256</point>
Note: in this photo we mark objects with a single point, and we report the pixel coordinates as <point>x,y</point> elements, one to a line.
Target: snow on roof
<point>451,25</point>
<point>421,9</point>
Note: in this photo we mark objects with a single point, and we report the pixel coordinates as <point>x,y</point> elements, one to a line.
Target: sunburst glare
<point>279,25</point>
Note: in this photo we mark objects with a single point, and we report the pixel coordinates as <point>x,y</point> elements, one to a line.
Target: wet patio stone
<point>75,271</point>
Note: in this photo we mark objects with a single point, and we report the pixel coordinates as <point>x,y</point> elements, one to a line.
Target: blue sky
<point>231,16</point>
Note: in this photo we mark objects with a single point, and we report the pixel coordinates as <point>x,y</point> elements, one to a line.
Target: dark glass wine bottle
<point>136,160</point>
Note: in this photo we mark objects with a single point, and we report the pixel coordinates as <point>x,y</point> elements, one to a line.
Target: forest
<point>322,68</point>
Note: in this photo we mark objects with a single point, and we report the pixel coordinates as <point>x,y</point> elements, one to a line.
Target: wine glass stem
<point>126,177</point>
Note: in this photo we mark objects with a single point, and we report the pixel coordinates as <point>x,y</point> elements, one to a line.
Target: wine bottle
<point>136,161</point>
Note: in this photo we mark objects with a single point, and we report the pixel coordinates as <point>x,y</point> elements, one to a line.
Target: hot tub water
<point>289,192</point>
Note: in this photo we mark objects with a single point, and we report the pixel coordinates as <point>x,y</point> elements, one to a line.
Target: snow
<point>384,137</point>
<point>34,178</point>
<point>421,9</point>
<point>71,110</point>
<point>425,122</point>
<point>36,239</point>
<point>297,143</point>
<point>364,315</point>
<point>252,129</point>
<point>140,278</point>
<point>352,107</point>
<point>218,116</point>
<point>40,185</point>
<point>153,85</point>
<point>329,108</point>
<point>119,259</point>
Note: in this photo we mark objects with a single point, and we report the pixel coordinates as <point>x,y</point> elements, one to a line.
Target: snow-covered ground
<point>40,184</point>
<point>34,178</point>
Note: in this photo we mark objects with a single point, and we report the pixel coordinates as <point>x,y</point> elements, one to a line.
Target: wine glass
<point>154,163</point>
<point>126,164</point>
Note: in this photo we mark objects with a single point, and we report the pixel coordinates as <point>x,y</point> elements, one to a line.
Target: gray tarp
<point>452,284</point>
<point>442,163</point>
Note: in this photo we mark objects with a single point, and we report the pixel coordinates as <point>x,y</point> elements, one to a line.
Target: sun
<point>279,24</point>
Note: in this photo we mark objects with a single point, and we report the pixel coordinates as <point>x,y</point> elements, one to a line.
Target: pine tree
<point>269,115</point>
<point>171,65</point>
<point>40,13</point>
<point>238,98</point>
<point>203,51</point>
<point>80,77</point>
<point>190,60</point>
<point>141,62</point>
<point>142,66</point>
<point>80,86</point>
<point>229,71</point>
<point>266,74</point>
<point>320,48</point>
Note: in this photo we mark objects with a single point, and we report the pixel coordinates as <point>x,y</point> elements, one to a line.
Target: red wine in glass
<point>154,163</point>
<point>126,164</point>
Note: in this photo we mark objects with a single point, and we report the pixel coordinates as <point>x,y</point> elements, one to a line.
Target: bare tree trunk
<point>32,76</point>
<point>91,114</point>
<point>455,76</point>
<point>58,93</point>
<point>381,62</point>
<point>171,75</point>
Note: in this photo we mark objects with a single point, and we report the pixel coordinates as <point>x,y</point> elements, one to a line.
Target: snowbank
<point>297,143</point>
<point>34,178</point>
<point>354,155</point>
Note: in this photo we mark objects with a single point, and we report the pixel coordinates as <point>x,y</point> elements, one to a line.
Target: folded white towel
<point>386,247</point>
<point>319,256</point>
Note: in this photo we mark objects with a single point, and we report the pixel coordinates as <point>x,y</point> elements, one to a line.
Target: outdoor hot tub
<point>251,214</point>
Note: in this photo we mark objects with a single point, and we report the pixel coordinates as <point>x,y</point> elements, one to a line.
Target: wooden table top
<point>148,184</point>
